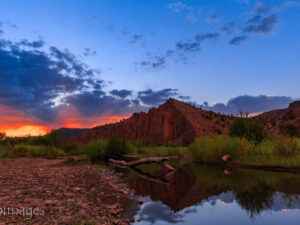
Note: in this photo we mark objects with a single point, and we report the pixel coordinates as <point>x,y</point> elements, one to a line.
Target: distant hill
<point>283,121</point>
<point>172,123</point>
<point>66,133</point>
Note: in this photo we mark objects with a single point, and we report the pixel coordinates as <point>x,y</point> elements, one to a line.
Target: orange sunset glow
<point>15,123</point>
<point>30,130</point>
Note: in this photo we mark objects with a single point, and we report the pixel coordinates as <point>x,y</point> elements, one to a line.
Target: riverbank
<point>43,191</point>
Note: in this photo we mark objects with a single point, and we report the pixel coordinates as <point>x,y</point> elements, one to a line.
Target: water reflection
<point>210,195</point>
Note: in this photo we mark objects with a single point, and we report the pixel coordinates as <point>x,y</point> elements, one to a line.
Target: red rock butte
<point>172,123</point>
<point>283,121</point>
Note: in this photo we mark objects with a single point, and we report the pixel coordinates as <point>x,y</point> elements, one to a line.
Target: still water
<point>212,195</point>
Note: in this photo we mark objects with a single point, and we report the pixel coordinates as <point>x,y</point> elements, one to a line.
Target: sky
<point>83,63</point>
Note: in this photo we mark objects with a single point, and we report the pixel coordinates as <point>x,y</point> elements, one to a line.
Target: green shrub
<point>248,128</point>
<point>40,140</point>
<point>94,150</point>
<point>5,152</point>
<point>116,147</point>
<point>286,146</point>
<point>71,148</point>
<point>49,152</point>
<point>52,139</point>
<point>211,149</point>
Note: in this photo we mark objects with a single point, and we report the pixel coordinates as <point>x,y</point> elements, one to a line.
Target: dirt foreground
<point>42,191</point>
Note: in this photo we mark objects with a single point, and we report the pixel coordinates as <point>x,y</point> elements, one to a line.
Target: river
<point>210,195</point>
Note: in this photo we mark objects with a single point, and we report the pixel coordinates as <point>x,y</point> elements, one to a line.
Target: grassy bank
<point>275,150</point>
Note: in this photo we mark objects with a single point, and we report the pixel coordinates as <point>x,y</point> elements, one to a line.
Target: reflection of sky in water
<point>222,209</point>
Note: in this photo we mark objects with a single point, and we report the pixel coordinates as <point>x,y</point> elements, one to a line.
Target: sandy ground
<point>42,191</point>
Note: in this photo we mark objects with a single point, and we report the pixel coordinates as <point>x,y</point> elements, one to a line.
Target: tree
<point>248,128</point>
<point>2,136</point>
<point>9,141</point>
<point>116,147</point>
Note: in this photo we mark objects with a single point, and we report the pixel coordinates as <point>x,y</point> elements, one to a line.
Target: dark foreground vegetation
<point>247,143</point>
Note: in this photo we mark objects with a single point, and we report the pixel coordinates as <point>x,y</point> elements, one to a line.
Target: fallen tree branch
<point>159,160</point>
<point>146,176</point>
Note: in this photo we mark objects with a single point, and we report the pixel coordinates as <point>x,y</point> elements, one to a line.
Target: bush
<point>116,147</point>
<point>40,140</point>
<point>248,128</point>
<point>71,148</point>
<point>52,139</point>
<point>5,152</point>
<point>49,152</point>
<point>94,150</point>
<point>286,146</point>
<point>211,149</point>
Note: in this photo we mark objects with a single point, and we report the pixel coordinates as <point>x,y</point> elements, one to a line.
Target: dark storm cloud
<point>237,40</point>
<point>30,79</point>
<point>251,104</point>
<point>97,102</point>
<point>154,98</point>
<point>33,44</point>
<point>41,83</point>
<point>121,93</point>
<point>68,62</point>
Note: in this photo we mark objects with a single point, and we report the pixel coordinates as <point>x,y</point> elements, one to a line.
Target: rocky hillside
<point>173,123</point>
<point>283,121</point>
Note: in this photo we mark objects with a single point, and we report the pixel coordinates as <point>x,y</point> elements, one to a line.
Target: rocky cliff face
<point>173,123</point>
<point>283,121</point>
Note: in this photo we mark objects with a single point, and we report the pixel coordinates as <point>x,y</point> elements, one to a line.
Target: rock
<point>48,202</point>
<point>77,189</point>
<point>173,123</point>
<point>113,211</point>
<point>226,158</point>
<point>227,172</point>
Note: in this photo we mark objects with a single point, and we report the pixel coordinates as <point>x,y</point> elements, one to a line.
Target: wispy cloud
<point>260,20</point>
<point>236,41</point>
<point>213,19</point>
<point>178,7</point>
<point>191,18</point>
<point>89,52</point>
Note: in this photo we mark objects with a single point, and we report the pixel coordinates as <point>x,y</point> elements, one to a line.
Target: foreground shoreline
<point>43,191</point>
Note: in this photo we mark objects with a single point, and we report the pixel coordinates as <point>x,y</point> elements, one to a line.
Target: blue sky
<point>208,50</point>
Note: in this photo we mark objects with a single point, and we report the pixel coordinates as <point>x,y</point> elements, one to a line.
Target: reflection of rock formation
<point>254,191</point>
<point>183,190</point>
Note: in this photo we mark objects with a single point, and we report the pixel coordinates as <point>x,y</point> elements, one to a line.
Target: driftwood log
<point>159,160</point>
